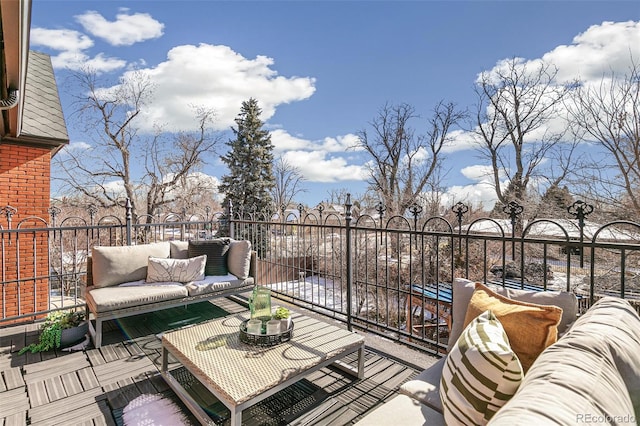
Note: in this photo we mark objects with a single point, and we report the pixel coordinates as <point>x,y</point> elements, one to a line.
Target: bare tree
<point>106,172</point>
<point>517,103</point>
<point>338,195</point>
<point>608,114</point>
<point>405,165</point>
<point>288,185</point>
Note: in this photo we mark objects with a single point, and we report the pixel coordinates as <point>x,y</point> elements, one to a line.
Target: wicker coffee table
<point>240,375</point>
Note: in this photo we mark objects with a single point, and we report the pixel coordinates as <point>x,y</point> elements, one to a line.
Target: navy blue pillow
<point>216,251</point>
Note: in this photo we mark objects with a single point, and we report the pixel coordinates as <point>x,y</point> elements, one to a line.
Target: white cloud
<point>114,189</point>
<point>126,30</point>
<point>325,160</point>
<point>75,147</point>
<point>318,166</point>
<point>341,143</point>
<point>599,50</point>
<point>592,55</point>
<point>197,180</point>
<point>481,193</point>
<point>72,46</point>
<point>213,76</point>
<point>283,141</point>
<point>66,40</point>
<point>78,60</point>
<point>477,172</point>
<point>459,140</point>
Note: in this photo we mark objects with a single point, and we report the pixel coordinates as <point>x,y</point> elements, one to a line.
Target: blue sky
<point>322,70</point>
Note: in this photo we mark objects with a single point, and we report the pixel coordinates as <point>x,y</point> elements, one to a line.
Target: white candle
<point>273,327</point>
<point>254,326</point>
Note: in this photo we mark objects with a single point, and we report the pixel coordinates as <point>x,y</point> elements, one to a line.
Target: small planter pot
<point>273,327</point>
<point>73,335</point>
<point>285,324</point>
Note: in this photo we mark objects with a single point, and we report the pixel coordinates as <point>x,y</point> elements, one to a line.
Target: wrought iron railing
<point>389,275</point>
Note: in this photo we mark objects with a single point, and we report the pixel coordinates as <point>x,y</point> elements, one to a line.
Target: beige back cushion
<point>463,290</point>
<point>121,264</point>
<point>179,249</point>
<point>239,258</point>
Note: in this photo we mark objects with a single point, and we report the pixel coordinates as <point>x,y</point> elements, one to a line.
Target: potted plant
<point>60,329</point>
<point>284,315</point>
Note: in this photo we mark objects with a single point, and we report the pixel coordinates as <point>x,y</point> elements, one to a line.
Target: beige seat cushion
<point>120,264</point>
<point>213,283</point>
<point>590,376</point>
<point>402,411</point>
<point>463,290</point>
<point>108,299</point>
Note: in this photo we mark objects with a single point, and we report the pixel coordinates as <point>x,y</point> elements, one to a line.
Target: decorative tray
<point>265,339</point>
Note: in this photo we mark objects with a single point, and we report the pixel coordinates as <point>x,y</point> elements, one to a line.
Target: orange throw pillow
<point>530,327</point>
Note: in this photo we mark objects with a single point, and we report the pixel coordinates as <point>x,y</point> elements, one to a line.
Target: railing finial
<point>347,208</point>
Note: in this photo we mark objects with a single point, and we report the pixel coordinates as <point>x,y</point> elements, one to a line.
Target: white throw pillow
<point>481,373</point>
<point>177,270</point>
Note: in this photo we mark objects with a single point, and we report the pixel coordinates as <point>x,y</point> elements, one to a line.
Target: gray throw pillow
<point>216,250</point>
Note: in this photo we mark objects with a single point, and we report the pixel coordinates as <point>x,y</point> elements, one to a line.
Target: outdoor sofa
<point>131,280</point>
<point>590,375</point>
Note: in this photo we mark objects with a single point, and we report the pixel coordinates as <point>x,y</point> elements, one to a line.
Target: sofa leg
<point>98,333</point>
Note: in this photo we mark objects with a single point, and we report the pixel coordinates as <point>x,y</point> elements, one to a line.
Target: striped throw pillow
<point>481,373</point>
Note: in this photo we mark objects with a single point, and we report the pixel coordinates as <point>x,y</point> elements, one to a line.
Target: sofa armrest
<point>253,265</point>
<point>89,276</point>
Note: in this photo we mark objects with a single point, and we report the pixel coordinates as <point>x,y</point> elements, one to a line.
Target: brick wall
<point>25,185</point>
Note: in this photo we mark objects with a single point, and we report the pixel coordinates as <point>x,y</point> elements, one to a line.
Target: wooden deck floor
<point>92,387</point>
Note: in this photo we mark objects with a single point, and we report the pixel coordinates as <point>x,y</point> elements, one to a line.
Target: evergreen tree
<point>250,160</point>
<point>555,202</point>
<point>250,180</point>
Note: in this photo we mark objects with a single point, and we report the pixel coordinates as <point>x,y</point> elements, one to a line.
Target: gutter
<point>10,101</point>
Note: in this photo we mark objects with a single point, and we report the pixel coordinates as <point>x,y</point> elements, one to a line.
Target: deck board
<point>88,378</point>
<point>55,366</point>
<point>93,386</point>
<point>55,388</point>
<point>13,401</point>
<point>37,394</point>
<point>61,407</point>
<point>71,383</point>
<point>122,369</point>
<point>13,378</point>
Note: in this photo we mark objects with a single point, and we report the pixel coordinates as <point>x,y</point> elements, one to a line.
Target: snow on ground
<point>314,289</point>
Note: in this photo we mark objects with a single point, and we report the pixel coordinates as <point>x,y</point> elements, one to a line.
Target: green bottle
<point>260,303</point>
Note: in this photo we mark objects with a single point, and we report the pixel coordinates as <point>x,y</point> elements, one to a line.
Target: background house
<point>32,130</point>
